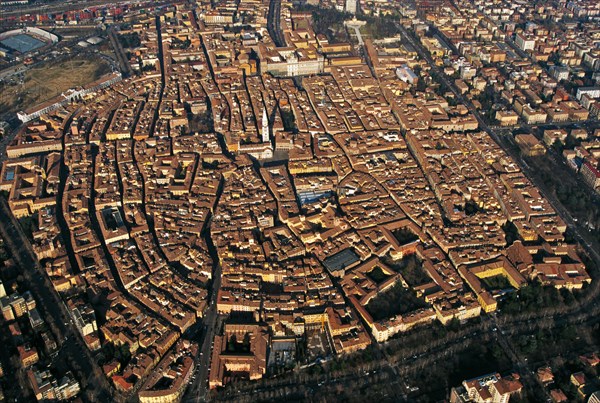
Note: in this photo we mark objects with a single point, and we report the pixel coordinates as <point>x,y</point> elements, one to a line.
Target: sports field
<point>22,43</point>
<point>48,80</point>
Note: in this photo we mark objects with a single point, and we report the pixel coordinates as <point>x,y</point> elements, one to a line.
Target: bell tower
<point>265,127</point>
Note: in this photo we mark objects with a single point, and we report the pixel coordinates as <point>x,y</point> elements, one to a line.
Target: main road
<point>52,306</point>
<point>119,53</point>
<point>274,23</point>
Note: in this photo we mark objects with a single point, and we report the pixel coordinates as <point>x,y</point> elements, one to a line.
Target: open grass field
<point>48,80</point>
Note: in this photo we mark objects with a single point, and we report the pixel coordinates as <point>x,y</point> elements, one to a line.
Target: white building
<point>68,96</point>
<point>592,92</point>
<point>351,6</point>
<point>260,151</point>
<point>265,127</point>
<point>559,72</point>
<point>404,73</point>
<point>467,72</point>
<point>524,42</point>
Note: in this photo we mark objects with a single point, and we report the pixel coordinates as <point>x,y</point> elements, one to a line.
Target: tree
<point>231,345</point>
<point>396,300</point>
<point>130,40</point>
<point>511,233</point>
<point>288,120</point>
<point>557,146</point>
<point>246,342</point>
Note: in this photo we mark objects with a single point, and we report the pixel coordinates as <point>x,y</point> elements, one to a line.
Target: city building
<point>491,388</point>
<point>590,174</point>
<point>530,145</point>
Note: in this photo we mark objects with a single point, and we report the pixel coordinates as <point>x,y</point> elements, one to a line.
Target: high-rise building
<point>67,388</point>
<point>591,175</point>
<point>7,311</point>
<point>84,318</point>
<point>19,305</point>
<point>46,387</point>
<point>489,388</point>
<point>524,41</point>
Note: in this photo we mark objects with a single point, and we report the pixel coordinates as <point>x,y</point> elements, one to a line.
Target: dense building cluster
<point>36,347</point>
<point>316,196</point>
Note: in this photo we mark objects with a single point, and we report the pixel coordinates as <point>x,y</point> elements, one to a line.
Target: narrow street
<point>198,389</point>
